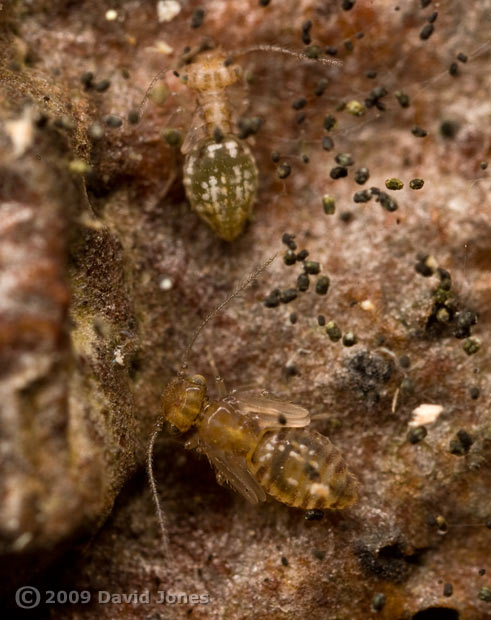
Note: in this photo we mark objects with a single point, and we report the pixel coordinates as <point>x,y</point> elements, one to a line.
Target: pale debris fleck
<point>425,414</point>
<point>21,132</point>
<point>111,15</point>
<point>118,356</point>
<point>367,305</point>
<point>166,284</point>
<point>167,10</point>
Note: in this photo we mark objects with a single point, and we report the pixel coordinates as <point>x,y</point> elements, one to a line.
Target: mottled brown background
<point>89,335</point>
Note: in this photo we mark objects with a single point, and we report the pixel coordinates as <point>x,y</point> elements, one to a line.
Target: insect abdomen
<point>302,469</point>
<point>220,179</point>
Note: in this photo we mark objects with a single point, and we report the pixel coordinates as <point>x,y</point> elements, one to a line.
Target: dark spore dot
<point>312,51</point>
<point>300,118</point>
<point>481,572</point>
<point>327,143</point>
<point>447,589</point>
<point>303,282</point>
<point>461,57</point>
<point>349,45</point>
<point>346,217</point>
<point>264,2</point>
<point>378,601</point>
<point>275,157</point>
<point>474,392</point>
<point>404,361</point>
<point>249,126</point>
<point>436,613</point>
<point>362,196</point>
<point>419,132</point>
<point>321,320</point>
<point>102,86</point>
<point>465,438</point>
<point>305,158</point>
<point>283,170</point>
<point>349,339</point>
<point>426,32</point>
<point>288,295</point>
<point>312,267</point>
<point>133,117</point>
<point>112,120</point>
<point>416,183</point>
<point>173,137</point>
<point>347,5</point>
<point>87,79</point>
<point>402,98</point>
<point>281,419</point>
<point>322,285</point>
<point>331,51</point>
<point>329,122</point>
<point>422,267</point>
<point>298,104</point>
<point>289,258</point>
<point>483,165</point>
<point>321,86</point>
<point>306,38</point>
<point>432,18</point>
<point>371,74</point>
<point>344,159</point>
<point>197,18</point>
<point>273,299</point>
<point>293,318</point>
<point>333,331</point>
<point>425,3</point>
<point>453,69</point>
<point>284,560</point>
<point>314,515</point>
<point>338,172</point>
<point>415,435</point>
<point>302,255</point>
<point>362,175</point>
<point>319,554</point>
<point>291,371</point>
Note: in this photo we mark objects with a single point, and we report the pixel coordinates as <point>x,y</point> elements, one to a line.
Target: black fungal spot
<point>368,373</point>
<point>388,564</point>
<point>197,18</point>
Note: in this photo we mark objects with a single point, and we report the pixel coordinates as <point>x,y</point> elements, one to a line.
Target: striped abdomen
<point>302,469</point>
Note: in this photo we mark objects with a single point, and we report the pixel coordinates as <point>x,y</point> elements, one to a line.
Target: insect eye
<point>172,430</point>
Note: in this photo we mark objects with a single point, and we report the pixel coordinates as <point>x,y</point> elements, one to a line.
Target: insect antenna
<point>160,514</point>
<point>243,285</point>
<point>153,487</point>
<point>264,47</point>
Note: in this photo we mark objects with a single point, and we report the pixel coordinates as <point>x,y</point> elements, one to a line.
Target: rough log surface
<point>105,272</point>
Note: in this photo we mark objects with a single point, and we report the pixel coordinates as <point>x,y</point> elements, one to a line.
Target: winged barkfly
<point>259,445</point>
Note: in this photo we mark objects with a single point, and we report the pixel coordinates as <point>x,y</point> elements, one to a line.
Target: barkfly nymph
<point>259,445</point>
<point>220,176</point>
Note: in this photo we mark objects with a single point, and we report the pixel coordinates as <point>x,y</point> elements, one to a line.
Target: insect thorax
<point>220,179</point>
<point>223,427</point>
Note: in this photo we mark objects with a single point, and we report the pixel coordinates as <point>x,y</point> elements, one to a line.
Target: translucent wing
<point>233,470</point>
<point>271,412</point>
